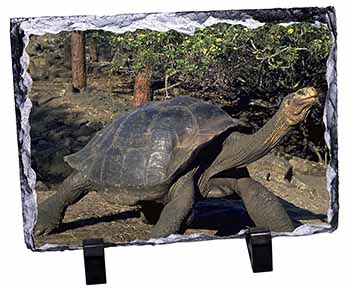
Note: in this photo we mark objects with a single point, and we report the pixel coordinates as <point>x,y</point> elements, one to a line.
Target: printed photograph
<point>146,134</point>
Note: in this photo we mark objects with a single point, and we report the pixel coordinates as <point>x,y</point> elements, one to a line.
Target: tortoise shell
<point>148,146</point>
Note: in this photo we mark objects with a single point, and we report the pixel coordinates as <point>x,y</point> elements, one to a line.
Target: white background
<point>319,261</point>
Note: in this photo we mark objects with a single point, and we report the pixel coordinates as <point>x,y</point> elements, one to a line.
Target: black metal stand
<point>94,260</point>
<point>259,245</point>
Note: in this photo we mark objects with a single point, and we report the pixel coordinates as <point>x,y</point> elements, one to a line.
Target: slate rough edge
<point>185,22</point>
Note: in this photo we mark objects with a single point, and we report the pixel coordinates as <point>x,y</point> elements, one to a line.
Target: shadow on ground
<point>224,217</point>
<point>296,213</point>
<point>96,220</point>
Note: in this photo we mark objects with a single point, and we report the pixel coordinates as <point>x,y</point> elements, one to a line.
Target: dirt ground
<point>63,123</point>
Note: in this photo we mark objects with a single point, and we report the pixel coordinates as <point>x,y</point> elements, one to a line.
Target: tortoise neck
<point>240,150</point>
<point>266,138</point>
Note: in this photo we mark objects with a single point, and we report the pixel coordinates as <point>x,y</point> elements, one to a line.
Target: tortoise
<point>166,155</point>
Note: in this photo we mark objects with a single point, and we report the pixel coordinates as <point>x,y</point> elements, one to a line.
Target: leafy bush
<point>266,59</point>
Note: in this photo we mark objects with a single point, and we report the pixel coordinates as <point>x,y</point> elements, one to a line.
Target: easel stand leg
<point>259,243</point>
<point>94,260</point>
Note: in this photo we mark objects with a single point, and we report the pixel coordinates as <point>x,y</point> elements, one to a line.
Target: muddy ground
<point>63,122</point>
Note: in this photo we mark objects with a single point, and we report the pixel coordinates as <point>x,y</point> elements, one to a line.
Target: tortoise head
<point>296,106</point>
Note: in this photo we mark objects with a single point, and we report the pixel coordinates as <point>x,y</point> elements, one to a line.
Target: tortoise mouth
<point>311,100</point>
<point>310,96</point>
<point>302,107</point>
<point>307,103</point>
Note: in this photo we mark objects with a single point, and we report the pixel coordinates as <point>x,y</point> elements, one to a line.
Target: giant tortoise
<point>166,155</point>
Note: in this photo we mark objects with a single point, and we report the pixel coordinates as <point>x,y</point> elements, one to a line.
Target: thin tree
<point>143,86</point>
<point>78,61</point>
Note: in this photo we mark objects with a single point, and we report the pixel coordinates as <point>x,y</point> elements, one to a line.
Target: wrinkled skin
<point>175,203</point>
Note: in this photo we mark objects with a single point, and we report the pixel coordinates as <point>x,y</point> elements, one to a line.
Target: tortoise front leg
<point>263,207</point>
<point>177,211</point>
<point>51,211</point>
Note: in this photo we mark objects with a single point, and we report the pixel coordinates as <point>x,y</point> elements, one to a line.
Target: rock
<point>272,167</point>
<point>306,167</point>
<point>309,183</point>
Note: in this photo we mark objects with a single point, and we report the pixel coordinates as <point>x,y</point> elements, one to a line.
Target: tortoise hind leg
<point>178,209</point>
<point>52,210</point>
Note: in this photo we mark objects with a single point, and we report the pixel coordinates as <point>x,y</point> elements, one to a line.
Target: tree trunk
<point>78,61</point>
<point>93,54</point>
<point>143,87</point>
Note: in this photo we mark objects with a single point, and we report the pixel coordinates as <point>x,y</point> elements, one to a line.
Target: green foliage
<point>283,57</point>
<point>272,57</point>
<point>151,49</point>
<point>227,63</point>
<point>268,58</point>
